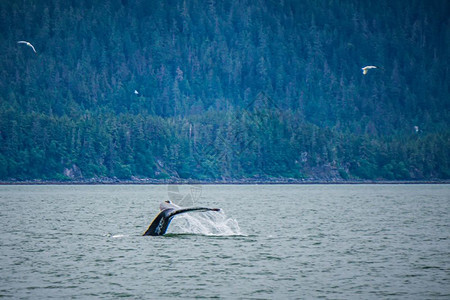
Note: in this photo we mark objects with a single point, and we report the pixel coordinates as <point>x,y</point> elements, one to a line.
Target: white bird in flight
<point>367,68</point>
<point>28,44</point>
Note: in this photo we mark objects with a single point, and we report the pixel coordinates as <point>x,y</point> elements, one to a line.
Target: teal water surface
<point>288,242</point>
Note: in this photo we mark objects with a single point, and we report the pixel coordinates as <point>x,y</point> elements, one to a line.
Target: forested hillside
<point>228,89</point>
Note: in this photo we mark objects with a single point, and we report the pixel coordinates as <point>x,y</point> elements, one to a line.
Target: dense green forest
<point>224,90</point>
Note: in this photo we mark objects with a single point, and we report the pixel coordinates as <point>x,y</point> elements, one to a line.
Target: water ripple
<point>338,242</point>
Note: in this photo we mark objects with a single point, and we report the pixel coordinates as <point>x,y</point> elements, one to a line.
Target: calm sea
<point>269,242</point>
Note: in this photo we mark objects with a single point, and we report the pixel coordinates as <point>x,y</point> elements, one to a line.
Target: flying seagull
<point>28,44</point>
<point>367,68</point>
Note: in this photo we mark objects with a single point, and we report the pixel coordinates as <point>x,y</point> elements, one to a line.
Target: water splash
<point>114,236</point>
<point>118,236</point>
<point>207,223</point>
<point>185,195</point>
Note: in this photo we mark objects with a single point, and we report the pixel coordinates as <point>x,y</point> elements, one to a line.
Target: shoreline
<point>278,181</point>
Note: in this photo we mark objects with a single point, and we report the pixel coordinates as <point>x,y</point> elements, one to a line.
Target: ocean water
<point>269,242</point>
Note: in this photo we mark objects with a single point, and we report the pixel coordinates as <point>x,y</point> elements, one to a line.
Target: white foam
<point>118,236</point>
<point>206,223</point>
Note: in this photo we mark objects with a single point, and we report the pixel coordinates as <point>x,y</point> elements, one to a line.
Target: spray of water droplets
<point>208,223</point>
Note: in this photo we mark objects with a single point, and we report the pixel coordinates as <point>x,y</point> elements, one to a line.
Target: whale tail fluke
<point>189,209</point>
<point>168,211</point>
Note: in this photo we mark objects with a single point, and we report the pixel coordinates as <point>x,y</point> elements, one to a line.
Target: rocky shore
<point>94,181</point>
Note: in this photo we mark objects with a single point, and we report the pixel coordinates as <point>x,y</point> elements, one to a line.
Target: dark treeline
<point>224,89</point>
